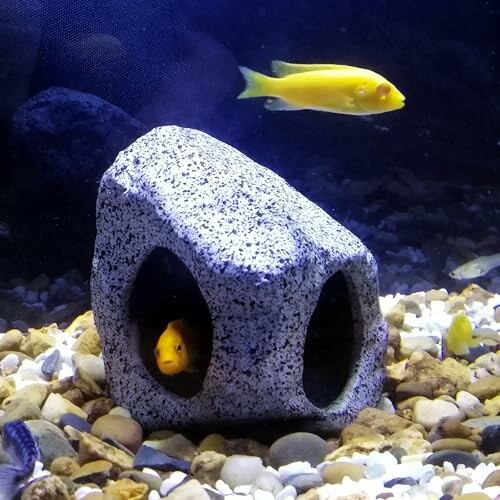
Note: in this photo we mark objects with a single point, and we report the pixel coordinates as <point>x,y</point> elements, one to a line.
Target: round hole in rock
<point>163,291</point>
<point>329,344</point>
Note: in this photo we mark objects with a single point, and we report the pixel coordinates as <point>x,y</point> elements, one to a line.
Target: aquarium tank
<point>249,249</point>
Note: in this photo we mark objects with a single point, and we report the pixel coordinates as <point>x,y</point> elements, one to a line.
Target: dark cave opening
<point>328,349</point>
<point>165,290</point>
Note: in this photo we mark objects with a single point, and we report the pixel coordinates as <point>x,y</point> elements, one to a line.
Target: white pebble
<point>171,482</point>
<point>151,472</point>
<point>263,495</point>
<point>295,468</point>
<point>83,491</point>
<point>385,458</point>
<point>417,457</point>
<point>469,404</point>
<point>38,471</point>
<point>437,306</point>
<point>154,495</point>
<point>223,487</point>
<point>29,370</point>
<point>493,492</point>
<point>10,361</point>
<point>66,371</point>
<point>120,410</point>
<point>287,493</point>
<point>428,413</point>
<point>471,488</point>
<point>435,484</point>
<point>243,489</point>
<point>481,472</point>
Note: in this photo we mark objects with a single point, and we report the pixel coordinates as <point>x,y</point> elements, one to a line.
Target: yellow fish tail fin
<point>257,83</point>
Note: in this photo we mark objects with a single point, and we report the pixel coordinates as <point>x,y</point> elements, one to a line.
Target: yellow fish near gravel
<point>459,338</point>
<point>333,88</point>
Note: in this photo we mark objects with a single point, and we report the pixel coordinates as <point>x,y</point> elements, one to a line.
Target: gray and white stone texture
<point>260,253</point>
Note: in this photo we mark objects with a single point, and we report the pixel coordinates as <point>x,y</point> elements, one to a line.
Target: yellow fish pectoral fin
<point>282,68</point>
<point>280,105</point>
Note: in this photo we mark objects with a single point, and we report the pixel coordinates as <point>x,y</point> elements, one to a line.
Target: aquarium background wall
<point>81,80</point>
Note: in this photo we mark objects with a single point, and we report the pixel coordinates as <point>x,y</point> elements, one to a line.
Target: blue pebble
<point>475,352</point>
<point>154,459</point>
<point>400,480</point>
<point>79,423</point>
<point>303,482</point>
<point>455,457</point>
<point>52,364</point>
<point>491,439</point>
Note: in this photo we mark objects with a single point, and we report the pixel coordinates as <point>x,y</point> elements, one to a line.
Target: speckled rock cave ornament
<point>284,298</point>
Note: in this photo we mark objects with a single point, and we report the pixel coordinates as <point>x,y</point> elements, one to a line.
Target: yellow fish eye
<point>178,348</point>
<point>383,90</point>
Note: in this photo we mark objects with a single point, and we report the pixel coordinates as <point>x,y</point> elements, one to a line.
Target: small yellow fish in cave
<point>175,351</point>
<point>323,87</point>
<point>459,338</point>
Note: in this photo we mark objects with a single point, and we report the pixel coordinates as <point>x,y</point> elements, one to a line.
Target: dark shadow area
<point>329,342</point>
<point>165,290</point>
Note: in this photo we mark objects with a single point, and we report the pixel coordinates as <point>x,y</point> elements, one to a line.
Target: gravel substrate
<point>435,433</point>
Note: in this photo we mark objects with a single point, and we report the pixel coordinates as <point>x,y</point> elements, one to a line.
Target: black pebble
<point>491,439</point>
<point>455,457</point>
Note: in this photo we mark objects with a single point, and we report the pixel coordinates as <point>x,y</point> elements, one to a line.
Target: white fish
<point>476,267</point>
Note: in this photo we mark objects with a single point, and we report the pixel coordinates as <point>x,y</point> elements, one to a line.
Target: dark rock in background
<point>66,139</point>
<point>63,142</point>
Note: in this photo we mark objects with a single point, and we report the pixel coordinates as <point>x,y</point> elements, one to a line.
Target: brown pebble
<point>406,390</point>
<point>125,430</point>
<point>493,479</point>
<point>60,386</point>
<point>454,444</point>
<point>75,396</point>
<point>335,473</point>
<point>64,466</point>
<point>353,431</point>
<point>493,458</point>
<point>472,496</point>
<point>126,489</point>
<point>98,407</point>
<point>449,427</point>
<point>214,442</point>
<point>485,388</point>
<point>97,472</point>
<point>88,387</point>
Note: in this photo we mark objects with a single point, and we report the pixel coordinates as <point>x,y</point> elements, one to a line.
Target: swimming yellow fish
<point>476,267</point>
<point>323,87</point>
<point>459,338</point>
<point>176,351</point>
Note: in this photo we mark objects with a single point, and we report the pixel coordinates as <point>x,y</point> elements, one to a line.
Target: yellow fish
<point>459,338</point>
<point>323,87</point>
<point>175,351</point>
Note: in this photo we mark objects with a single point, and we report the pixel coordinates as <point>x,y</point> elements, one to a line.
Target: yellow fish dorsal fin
<point>282,68</point>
